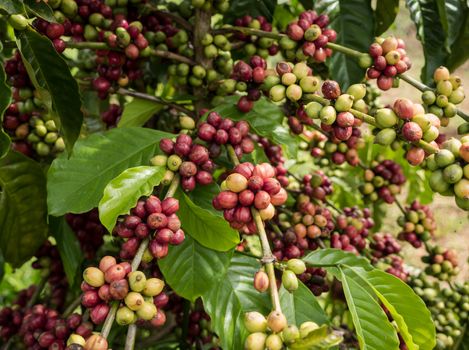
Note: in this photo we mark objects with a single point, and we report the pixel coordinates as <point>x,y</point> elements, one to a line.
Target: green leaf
<point>457,15</point>
<point>301,306</point>
<point>265,119</point>
<point>235,295</point>
<point>334,257</point>
<point>207,228</point>
<point>137,113</point>
<point>2,266</point>
<point>5,98</point>
<point>122,193</point>
<point>406,308</point>
<point>52,77</point>
<point>355,27</point>
<point>202,196</point>
<point>68,246</point>
<point>23,209</point>
<point>40,9</point>
<point>374,331</point>
<point>76,185</point>
<point>192,270</point>
<point>430,32</point>
<point>12,6</point>
<point>255,8</point>
<point>385,14</point>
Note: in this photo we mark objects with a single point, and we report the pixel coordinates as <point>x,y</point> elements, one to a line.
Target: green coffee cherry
<point>344,102</point>
<point>291,334</point>
<point>277,93</point>
<point>385,137</point>
<point>274,342</point>
<point>288,79</point>
<point>137,281</point>
<point>437,182</point>
<point>444,87</point>
<point>301,70</point>
<point>18,22</point>
<point>428,98</point>
<point>147,311</point>
<point>294,92</point>
<point>159,160</point>
<point>174,162</point>
<point>328,115</point>
<point>76,339</point>
<point>358,91</point>
<point>134,301</point>
<point>313,109</point>
<point>386,118</point>
<point>125,316</point>
<point>309,84</point>
<point>289,280</point>
<point>255,322</point>
<point>296,265</point>
<point>255,341</point>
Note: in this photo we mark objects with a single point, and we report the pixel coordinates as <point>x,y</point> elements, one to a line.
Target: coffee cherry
<point>134,301</point>
<point>147,311</point>
<point>274,342</point>
<point>276,321</point>
<point>297,266</point>
<point>137,281</point>
<point>330,89</point>
<point>291,334</point>
<point>96,342</point>
<point>153,287</point>
<point>125,316</point>
<point>261,281</point>
<point>114,273</point>
<point>289,280</point>
<point>255,341</point>
<point>106,262</point>
<point>93,276</point>
<point>255,322</point>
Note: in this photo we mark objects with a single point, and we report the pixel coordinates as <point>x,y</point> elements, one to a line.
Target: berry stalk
<point>267,256</point>
<point>250,31</point>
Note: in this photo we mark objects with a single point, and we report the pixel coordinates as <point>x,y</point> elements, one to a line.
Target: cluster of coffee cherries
<point>449,307</point>
<point>418,224</point>
<point>382,181</point>
<point>152,218</point>
<point>34,133</point>
<point>383,245</point>
<point>450,170</point>
<point>11,317</point>
<point>292,268</point>
<point>115,281</point>
<point>89,231</point>
<point>292,82</point>
<point>249,78</point>
<point>248,187</point>
<point>409,121</point>
<point>261,46</point>
<point>190,159</point>
<point>48,260</point>
<point>351,230</point>
<point>308,38</point>
<point>43,328</point>
<point>218,131</point>
<point>389,60</point>
<point>315,279</point>
<point>111,116</point>
<point>397,267</point>
<point>317,185</point>
<point>442,263</point>
<point>447,94</point>
<point>274,333</point>
<point>330,151</point>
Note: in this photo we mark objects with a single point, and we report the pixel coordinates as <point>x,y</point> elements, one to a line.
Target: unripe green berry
<point>288,79</point>
<point>457,96</point>
<point>437,182</point>
<point>147,311</point>
<point>93,276</point>
<point>274,342</point>
<point>328,115</point>
<point>291,334</point>
<point>453,173</point>
<point>385,137</point>
<point>313,109</point>
<point>125,316</point>
<point>444,87</point>
<point>450,110</point>
<point>277,93</point>
<point>287,44</point>
<point>386,118</point>
<point>76,339</point>
<point>153,287</point>
<point>296,265</point>
<point>358,91</point>
<point>301,70</point>
<point>294,92</point>
<point>431,134</point>
<point>255,322</point>
<point>428,98</point>
<point>344,102</point>
<point>210,51</point>
<point>137,281</point>
<point>174,162</point>
<point>134,301</point>
<point>309,84</point>
<point>423,121</point>
<point>365,61</point>
<point>255,341</point>
<point>18,22</point>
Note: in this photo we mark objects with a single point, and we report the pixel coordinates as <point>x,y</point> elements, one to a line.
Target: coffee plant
<point>213,174</point>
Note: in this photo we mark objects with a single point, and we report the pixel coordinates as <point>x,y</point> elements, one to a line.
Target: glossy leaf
<point>406,308</point>
<point>76,185</point>
<point>374,331</point>
<point>235,295</point>
<point>255,8</point>
<point>192,270</point>
<point>385,14</point>
<point>301,306</point>
<point>138,112</point>
<point>318,339</point>
<point>265,119</point>
<point>12,6</point>
<point>355,27</point>
<point>430,32</point>
<point>335,257</point>
<point>457,15</point>
<point>40,9</point>
<point>207,228</point>
<point>23,209</point>
<point>5,98</point>
<point>122,193</point>
<point>68,246</point>
<point>56,86</point>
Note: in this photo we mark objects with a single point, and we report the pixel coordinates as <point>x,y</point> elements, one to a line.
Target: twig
<point>249,31</point>
<point>109,319</point>
<point>345,50</point>
<point>73,305</point>
<point>400,206</point>
<point>178,19</point>
<point>130,339</point>
<point>173,56</point>
<point>159,100</point>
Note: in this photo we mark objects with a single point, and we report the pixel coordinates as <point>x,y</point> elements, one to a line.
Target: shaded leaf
<point>207,228</point>
<point>12,6</point>
<point>68,246</point>
<point>122,193</point>
<point>137,112</point>
<point>318,339</point>
<point>232,298</point>
<point>301,306</point>
<point>5,98</point>
<point>430,32</point>
<point>255,8</point>
<point>56,86</point>
<point>23,209</point>
<point>76,185</point>
<point>374,331</point>
<point>355,27</point>
<point>335,257</point>
<point>459,42</point>
<point>385,14</point>
<point>192,270</point>
<point>40,9</point>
